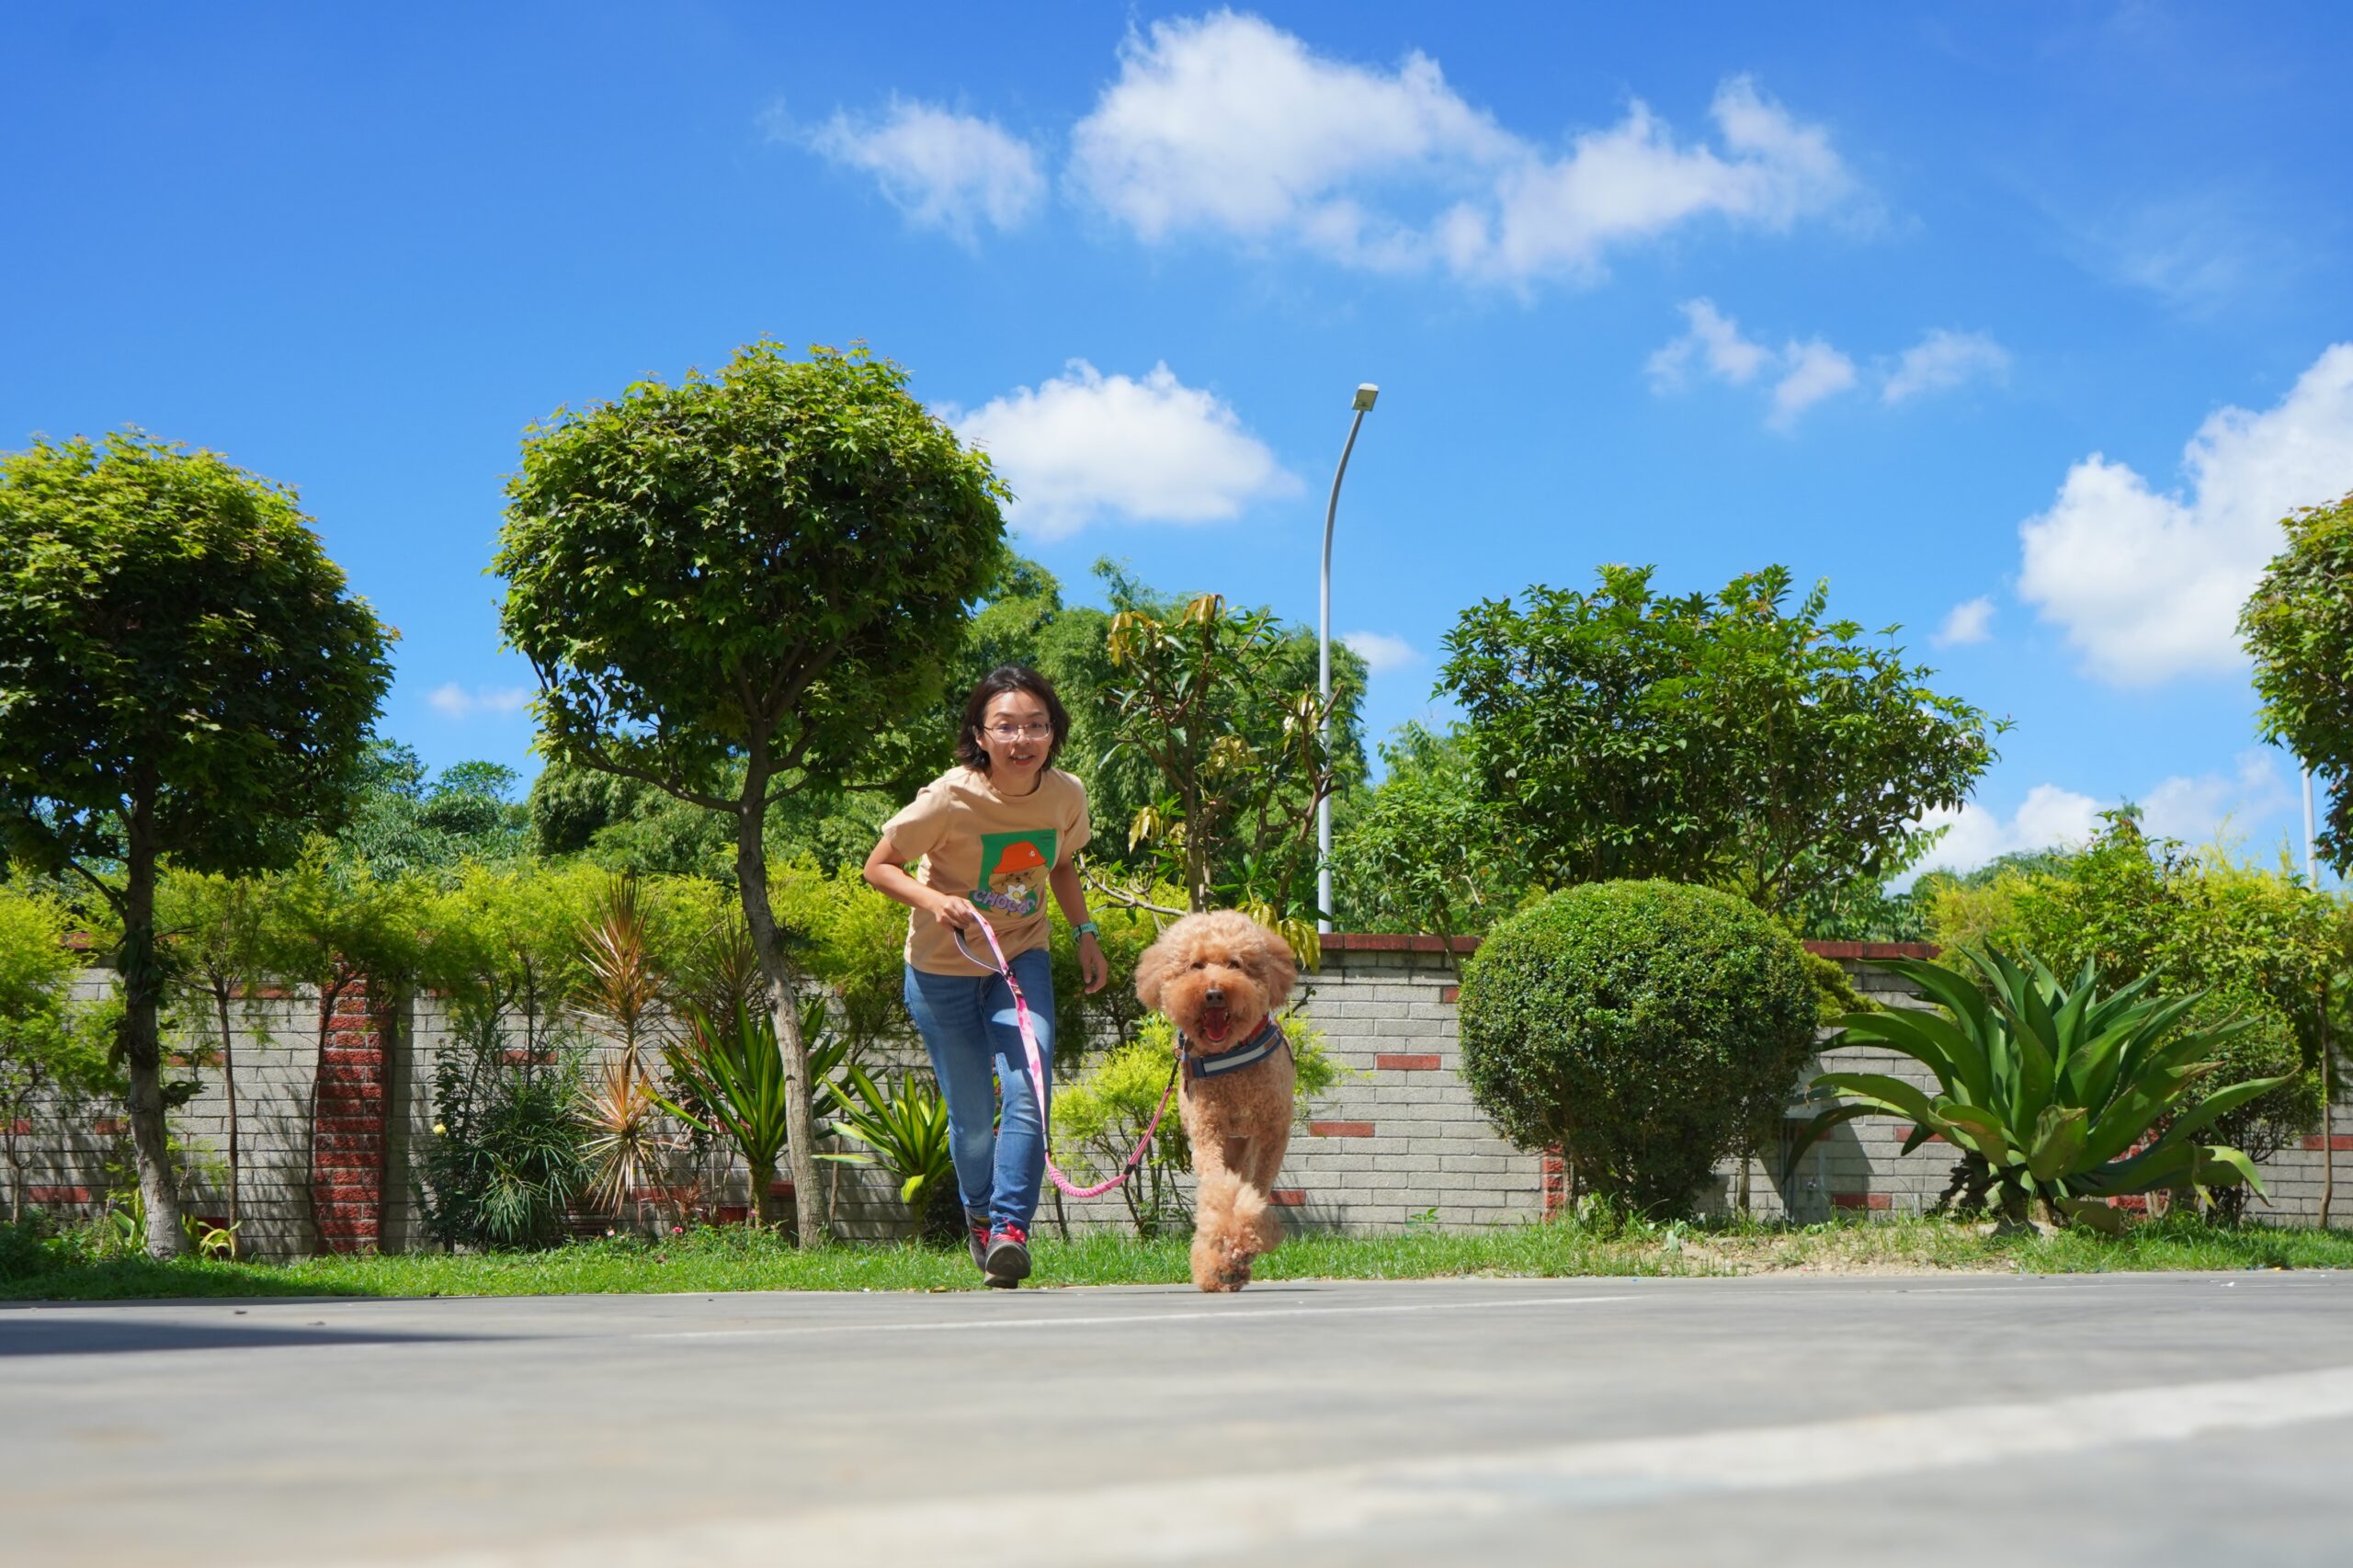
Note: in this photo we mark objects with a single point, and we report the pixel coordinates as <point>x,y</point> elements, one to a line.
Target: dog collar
<point>1249,1053</point>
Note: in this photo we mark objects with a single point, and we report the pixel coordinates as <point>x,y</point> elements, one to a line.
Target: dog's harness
<point>1249,1053</point>
<point>1003,969</point>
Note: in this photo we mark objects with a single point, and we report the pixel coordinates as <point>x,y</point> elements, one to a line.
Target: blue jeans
<point>967,1024</point>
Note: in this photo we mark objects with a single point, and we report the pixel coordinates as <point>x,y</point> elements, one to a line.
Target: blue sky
<point>2020,323</point>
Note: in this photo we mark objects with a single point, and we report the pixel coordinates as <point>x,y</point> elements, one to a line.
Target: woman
<point>997,832</point>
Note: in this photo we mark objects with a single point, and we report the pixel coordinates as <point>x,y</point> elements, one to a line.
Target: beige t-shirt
<point>995,850</point>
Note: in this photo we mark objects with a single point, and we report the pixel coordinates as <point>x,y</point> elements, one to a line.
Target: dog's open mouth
<point>1216,1023</point>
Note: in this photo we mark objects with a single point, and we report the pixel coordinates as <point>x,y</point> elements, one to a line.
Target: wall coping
<point>1388,943</point>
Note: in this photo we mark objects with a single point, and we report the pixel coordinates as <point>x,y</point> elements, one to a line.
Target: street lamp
<point>1366,393</point>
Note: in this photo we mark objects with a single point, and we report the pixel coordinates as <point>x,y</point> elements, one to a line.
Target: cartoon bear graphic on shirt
<point>1013,871</point>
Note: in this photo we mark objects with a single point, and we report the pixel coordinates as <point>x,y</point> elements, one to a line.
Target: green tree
<point>334,926</point>
<point>183,674</point>
<point>1424,852</point>
<point>48,1054</point>
<point>404,821</point>
<point>1223,704</point>
<point>729,586</point>
<point>1733,741</point>
<point>213,924</point>
<point>2299,626</point>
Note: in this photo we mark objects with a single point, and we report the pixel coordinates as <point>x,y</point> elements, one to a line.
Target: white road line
<point>1143,1319</point>
<point>1210,1519</point>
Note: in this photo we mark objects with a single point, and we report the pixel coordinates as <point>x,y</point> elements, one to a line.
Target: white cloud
<point>1816,371</point>
<point>1969,621</point>
<point>944,171</point>
<point>1228,125</point>
<point>1714,339</point>
<point>1942,359</point>
<point>1086,445</point>
<point>454,701</point>
<point>1813,370</point>
<point>2194,810</point>
<point>1808,372</point>
<point>2147,585</point>
<point>1381,652</point>
<point>2049,818</point>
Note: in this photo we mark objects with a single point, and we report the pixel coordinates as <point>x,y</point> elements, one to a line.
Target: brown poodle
<point>1219,978</point>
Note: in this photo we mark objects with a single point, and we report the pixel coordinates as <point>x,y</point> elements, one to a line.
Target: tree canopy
<point>2299,626</point>
<point>183,672</point>
<point>1735,740</point>
<point>729,587</point>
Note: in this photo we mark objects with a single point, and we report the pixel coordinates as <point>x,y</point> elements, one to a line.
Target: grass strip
<point>725,1259</point>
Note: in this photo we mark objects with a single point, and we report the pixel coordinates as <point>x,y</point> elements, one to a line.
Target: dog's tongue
<point>1213,1024</point>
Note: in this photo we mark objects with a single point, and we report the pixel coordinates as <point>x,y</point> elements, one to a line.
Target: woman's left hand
<point>1092,965</point>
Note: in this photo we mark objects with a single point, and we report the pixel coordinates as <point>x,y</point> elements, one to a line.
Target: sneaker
<point>1007,1263</point>
<point>976,1228</point>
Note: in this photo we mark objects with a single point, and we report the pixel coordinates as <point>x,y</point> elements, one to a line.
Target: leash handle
<point>1003,968</point>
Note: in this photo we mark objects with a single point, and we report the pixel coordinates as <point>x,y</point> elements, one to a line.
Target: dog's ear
<point>1274,967</point>
<point>1153,970</point>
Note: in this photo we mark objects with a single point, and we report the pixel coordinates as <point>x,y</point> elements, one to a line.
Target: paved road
<point>2086,1420</point>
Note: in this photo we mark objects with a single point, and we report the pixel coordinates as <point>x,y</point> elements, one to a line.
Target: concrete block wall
<point>1396,1142</point>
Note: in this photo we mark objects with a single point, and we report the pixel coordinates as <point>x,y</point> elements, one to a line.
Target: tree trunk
<point>141,1045</point>
<point>2327,1107</point>
<point>229,1087</point>
<point>784,1005</point>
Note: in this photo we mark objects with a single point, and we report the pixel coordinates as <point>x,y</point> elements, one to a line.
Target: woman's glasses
<point>1009,733</point>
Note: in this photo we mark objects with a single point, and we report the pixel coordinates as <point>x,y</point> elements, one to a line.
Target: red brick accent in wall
<point>1449,994</point>
<point>57,1195</point>
<point>347,1161</point>
<point>1862,1201</point>
<point>1287,1198</point>
<point>20,1128</point>
<point>1339,1129</point>
<point>2340,1143</point>
<point>1933,1136</point>
<point>1556,1181</point>
<point>1406,1063</point>
<point>108,1126</point>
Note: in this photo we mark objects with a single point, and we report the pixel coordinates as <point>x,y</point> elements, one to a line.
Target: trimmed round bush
<point>1643,1027</point>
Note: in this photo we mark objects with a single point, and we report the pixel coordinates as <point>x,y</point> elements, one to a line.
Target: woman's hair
<point>993,685</point>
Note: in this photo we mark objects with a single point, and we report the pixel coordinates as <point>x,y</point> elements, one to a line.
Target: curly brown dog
<point>1219,978</point>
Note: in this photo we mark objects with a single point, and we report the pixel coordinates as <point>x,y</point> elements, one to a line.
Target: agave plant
<point>905,1134</point>
<point>2065,1093</point>
<point>730,1078</point>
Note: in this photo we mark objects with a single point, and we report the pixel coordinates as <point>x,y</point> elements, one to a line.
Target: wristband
<point>1088,928</point>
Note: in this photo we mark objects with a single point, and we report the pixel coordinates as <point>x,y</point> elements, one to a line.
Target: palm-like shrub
<point>905,1133</point>
<point>2062,1092</point>
<point>727,1077</point>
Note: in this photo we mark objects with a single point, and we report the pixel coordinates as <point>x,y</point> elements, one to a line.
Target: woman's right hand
<point>956,912</point>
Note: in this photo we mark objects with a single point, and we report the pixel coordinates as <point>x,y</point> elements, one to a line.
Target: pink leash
<point>1037,1071</point>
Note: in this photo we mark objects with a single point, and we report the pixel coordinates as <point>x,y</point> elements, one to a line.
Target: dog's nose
<point>1214,994</point>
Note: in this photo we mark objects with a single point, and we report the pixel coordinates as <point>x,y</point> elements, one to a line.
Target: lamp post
<point>1366,393</point>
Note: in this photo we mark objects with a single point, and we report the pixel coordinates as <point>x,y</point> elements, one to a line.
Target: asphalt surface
<point>2165,1418</point>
